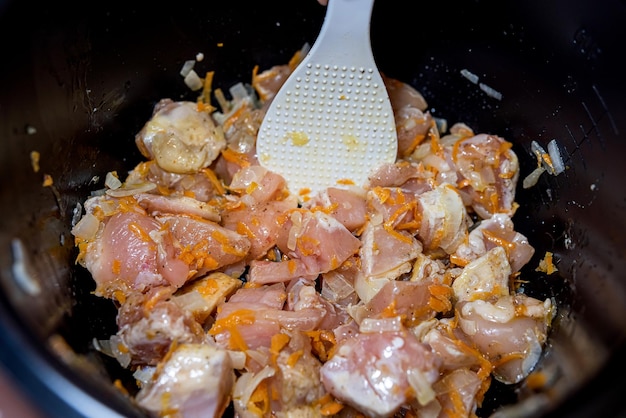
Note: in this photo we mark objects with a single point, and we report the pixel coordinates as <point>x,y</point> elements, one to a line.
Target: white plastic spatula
<point>331,122</point>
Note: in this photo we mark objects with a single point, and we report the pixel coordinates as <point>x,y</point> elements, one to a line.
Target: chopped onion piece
<point>103,346</point>
<point>187,67</point>
<point>193,81</point>
<point>531,179</point>
<point>87,227</point>
<point>131,189</point>
<point>469,75</point>
<point>423,389</point>
<point>191,302</point>
<point>238,358</point>
<point>120,351</point>
<point>112,182</point>
<point>248,382</point>
<point>144,374</point>
<point>442,125</point>
<point>490,91</point>
<point>239,92</point>
<point>555,156</point>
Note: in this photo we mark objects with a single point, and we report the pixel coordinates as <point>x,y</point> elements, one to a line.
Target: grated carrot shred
<point>292,265</point>
<point>139,232</point>
<point>233,118</point>
<point>204,103</point>
<point>494,239</point>
<point>546,264</point>
<point>217,183</point>
<point>294,357</point>
<point>458,407</point>
<point>439,304</point>
<point>417,139</point>
<point>226,245</point>
<point>278,342</point>
<point>117,383</point>
<point>382,193</point>
<point>235,157</point>
<point>307,245</point>
<point>252,187</point>
<point>390,310</point>
<point>259,402</point>
<point>243,229</point>
<point>536,380</point>
<point>345,182</point>
<point>396,234</point>
<point>47,180</point>
<point>116,267</point>
<point>238,317</point>
<point>329,405</point>
<point>236,340</point>
<point>331,408</point>
<point>461,262</point>
<point>323,343</point>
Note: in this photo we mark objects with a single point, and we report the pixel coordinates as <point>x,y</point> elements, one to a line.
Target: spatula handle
<point>345,33</point>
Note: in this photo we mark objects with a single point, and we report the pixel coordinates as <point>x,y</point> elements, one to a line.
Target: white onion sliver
<point>87,227</point>
<point>555,156</point>
<point>532,179</point>
<point>490,91</point>
<point>295,230</point>
<point>103,346</point>
<point>187,67</point>
<point>238,358</point>
<point>112,182</point>
<point>191,302</point>
<point>131,189</point>
<point>248,382</point>
<point>144,374</point>
<point>119,350</point>
<point>193,81</point>
<point>422,387</point>
<point>469,75</point>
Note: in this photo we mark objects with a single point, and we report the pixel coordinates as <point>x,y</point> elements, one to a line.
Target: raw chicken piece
<point>178,205</point>
<point>261,222</point>
<point>205,246</point>
<point>348,205</point>
<point>509,331</point>
<point>488,170</point>
<point>258,182</point>
<point>484,277</point>
<point>289,386</point>
<point>180,138</point>
<point>130,252</point>
<point>314,242</point>
<point>443,219</point>
<point>380,371</point>
<point>202,185</point>
<point>455,396</point>
<point>149,324</point>
<point>410,300</point>
<point>194,380</point>
<point>385,255</point>
<point>496,231</point>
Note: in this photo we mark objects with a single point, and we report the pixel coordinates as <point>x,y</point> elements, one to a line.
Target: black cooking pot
<point>77,83</point>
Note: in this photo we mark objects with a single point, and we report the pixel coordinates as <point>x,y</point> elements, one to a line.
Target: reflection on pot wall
<point>78,85</point>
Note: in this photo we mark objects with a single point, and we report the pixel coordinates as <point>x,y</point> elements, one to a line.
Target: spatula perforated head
<point>331,123</point>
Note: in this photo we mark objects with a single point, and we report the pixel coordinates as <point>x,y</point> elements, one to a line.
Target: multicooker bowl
<point>77,82</point>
